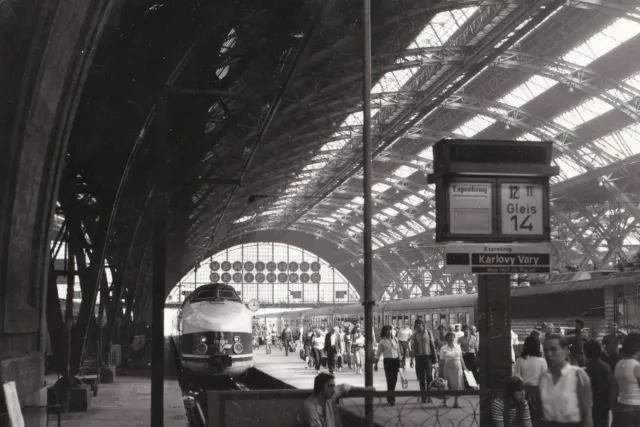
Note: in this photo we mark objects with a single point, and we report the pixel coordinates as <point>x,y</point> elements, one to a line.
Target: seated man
<point>321,408</point>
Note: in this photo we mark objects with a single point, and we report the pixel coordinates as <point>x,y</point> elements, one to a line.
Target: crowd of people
<point>557,380</point>
<point>579,382</point>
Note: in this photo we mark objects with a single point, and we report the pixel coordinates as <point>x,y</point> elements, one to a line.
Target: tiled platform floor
<point>407,412</point>
<point>126,403</point>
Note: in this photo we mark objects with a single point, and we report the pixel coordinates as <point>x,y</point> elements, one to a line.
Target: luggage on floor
<point>302,354</point>
<point>339,361</point>
<point>347,359</point>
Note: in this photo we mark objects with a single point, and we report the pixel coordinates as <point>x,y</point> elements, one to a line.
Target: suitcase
<point>347,359</point>
<point>323,361</point>
<point>339,361</point>
<point>302,354</point>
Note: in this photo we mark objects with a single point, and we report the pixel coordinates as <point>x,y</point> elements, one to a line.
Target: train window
<point>452,318</point>
<point>227,294</point>
<point>412,319</point>
<point>206,294</point>
<point>467,319</point>
<point>460,318</point>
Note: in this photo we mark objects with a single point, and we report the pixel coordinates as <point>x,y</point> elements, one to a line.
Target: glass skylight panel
<point>584,112</point>
<point>537,26</point>
<point>603,42</point>
<point>386,239</point>
<point>395,236</point>
<point>390,212</point>
<point>428,222</point>
<point>404,171</point>
<point>393,80</point>
<point>621,144</point>
<point>425,193</point>
<point>527,91</point>
<point>625,94</point>
<point>344,211</point>
<point>314,166</point>
<point>413,200</point>
<point>328,219</point>
<point>358,200</point>
<point>334,145</point>
<point>401,206</point>
<point>403,230</point>
<point>568,167</point>
<point>474,126</point>
<point>441,27</point>
<point>528,137</point>
<point>427,153</point>
<point>631,240</point>
<point>243,219</point>
<point>415,226</point>
<point>380,216</point>
<point>380,187</point>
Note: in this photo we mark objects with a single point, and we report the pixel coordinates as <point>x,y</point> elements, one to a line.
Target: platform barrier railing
<point>257,408</point>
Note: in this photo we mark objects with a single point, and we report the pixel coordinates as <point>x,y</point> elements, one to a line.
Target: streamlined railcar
<point>212,333</point>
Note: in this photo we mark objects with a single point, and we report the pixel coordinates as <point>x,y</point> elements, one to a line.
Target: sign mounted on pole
<point>492,191</point>
<point>509,258</point>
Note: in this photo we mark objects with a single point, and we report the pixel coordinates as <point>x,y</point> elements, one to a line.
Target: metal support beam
<point>369,301</point>
<point>159,268</point>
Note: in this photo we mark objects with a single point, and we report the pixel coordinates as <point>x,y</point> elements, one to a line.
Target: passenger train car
<point>212,333</point>
<point>600,298</point>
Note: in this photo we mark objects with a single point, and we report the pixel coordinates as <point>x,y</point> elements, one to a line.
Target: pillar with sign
<point>492,214</point>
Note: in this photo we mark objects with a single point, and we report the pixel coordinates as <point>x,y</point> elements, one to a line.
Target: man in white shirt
<point>404,337</point>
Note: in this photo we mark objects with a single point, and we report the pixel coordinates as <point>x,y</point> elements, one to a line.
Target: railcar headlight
<point>237,348</point>
<point>236,339</point>
<point>202,348</point>
<point>203,339</point>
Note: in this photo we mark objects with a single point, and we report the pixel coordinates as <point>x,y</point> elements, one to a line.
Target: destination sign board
<point>470,207</point>
<point>498,258</point>
<point>521,208</point>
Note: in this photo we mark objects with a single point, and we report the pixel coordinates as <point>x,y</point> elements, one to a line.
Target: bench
<point>90,380</point>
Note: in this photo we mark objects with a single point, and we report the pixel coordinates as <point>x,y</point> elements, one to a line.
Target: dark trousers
<point>331,359</point>
<point>600,417</point>
<point>348,353</point>
<point>471,362</point>
<point>424,371</point>
<point>404,352</point>
<point>317,357</point>
<point>391,369</point>
<point>286,347</point>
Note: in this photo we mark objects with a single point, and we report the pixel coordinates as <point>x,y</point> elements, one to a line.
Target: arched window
<point>273,273</point>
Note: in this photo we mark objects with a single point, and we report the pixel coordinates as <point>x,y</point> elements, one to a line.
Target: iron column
<point>159,267</point>
<point>367,208</point>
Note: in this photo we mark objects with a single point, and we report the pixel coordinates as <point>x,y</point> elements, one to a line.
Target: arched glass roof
<point>565,76</point>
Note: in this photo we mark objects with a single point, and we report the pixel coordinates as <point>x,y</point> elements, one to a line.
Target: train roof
<point>611,278</point>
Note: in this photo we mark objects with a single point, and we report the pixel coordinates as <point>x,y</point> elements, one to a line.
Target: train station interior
<point>195,190</point>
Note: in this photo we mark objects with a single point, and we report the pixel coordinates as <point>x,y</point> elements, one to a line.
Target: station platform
<point>408,410</point>
<point>127,402</point>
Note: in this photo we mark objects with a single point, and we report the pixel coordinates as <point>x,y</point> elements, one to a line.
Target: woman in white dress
<point>358,350</point>
<point>451,366</point>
